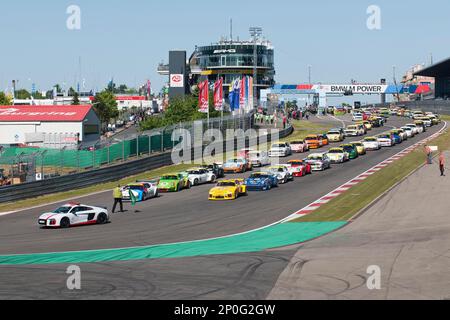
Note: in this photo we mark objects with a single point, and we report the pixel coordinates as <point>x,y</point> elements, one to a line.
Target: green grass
<point>358,197</point>
<point>304,128</point>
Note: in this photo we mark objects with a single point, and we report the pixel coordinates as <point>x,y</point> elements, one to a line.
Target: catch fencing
<point>31,164</point>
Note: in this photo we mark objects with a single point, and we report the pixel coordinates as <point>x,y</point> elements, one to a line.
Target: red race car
<point>302,167</point>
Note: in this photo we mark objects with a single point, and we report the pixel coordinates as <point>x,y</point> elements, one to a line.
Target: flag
<point>251,97</point>
<point>132,198</point>
<point>237,94</point>
<point>218,94</point>
<point>231,96</point>
<point>242,94</point>
<point>203,97</point>
<point>149,88</point>
<point>247,85</point>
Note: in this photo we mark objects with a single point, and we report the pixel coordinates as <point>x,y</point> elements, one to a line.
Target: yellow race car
<point>228,190</point>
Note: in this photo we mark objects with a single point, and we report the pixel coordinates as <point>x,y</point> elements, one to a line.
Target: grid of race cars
<point>267,176</point>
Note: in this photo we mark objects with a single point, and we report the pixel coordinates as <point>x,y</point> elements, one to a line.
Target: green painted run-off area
<point>272,237</point>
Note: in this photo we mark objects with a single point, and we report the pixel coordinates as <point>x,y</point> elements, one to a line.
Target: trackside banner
<point>356,89</point>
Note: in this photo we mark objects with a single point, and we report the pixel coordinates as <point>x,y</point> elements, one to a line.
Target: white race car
<point>409,131</point>
<point>201,176</point>
<point>280,150</point>
<point>413,127</point>
<point>319,161</point>
<point>371,144</point>
<point>282,172</point>
<point>74,214</point>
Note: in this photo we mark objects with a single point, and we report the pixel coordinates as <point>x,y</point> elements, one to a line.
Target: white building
<point>48,126</point>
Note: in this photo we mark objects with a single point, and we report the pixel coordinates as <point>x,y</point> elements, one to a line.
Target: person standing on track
<point>442,163</point>
<point>118,198</point>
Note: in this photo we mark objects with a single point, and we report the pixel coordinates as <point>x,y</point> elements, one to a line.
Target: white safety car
<point>74,214</point>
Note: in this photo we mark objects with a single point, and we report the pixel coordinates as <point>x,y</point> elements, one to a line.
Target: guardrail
<point>103,175</point>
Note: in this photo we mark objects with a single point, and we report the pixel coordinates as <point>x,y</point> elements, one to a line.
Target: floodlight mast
<point>256,33</point>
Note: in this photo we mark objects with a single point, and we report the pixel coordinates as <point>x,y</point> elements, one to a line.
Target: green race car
<point>351,150</point>
<point>174,182</point>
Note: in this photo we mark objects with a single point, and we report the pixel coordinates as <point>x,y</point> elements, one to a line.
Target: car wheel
<point>269,187</point>
<point>213,179</point>
<point>65,223</point>
<point>102,218</point>
<point>195,182</point>
<point>188,185</point>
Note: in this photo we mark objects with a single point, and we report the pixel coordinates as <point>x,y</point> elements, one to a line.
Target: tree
<point>71,92</point>
<point>75,100</point>
<point>23,94</point>
<point>105,105</point>
<point>4,100</point>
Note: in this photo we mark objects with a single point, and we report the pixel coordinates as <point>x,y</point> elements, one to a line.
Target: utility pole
<point>255,32</point>
<point>309,82</point>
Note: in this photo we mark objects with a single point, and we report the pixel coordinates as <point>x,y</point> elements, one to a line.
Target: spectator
<point>442,163</point>
<point>429,154</point>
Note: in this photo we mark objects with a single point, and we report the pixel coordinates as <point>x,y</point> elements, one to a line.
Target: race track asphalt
<point>229,277</point>
<point>188,215</point>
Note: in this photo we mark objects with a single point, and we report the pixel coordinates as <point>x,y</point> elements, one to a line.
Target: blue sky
<point>127,39</point>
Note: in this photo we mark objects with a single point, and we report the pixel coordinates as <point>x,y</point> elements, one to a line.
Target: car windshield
<point>347,148</point>
<point>315,157</point>
<point>62,210</point>
<point>296,163</point>
<point>226,184</point>
<point>311,138</point>
<point>279,146</point>
<point>194,172</point>
<point>297,142</point>
<point>170,178</point>
<point>371,140</point>
<point>136,187</point>
<point>334,132</point>
<point>335,151</point>
<point>259,176</point>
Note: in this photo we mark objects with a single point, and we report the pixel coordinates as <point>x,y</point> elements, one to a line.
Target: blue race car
<point>397,138</point>
<point>261,181</point>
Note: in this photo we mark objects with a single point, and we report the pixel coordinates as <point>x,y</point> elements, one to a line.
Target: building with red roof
<point>48,126</point>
